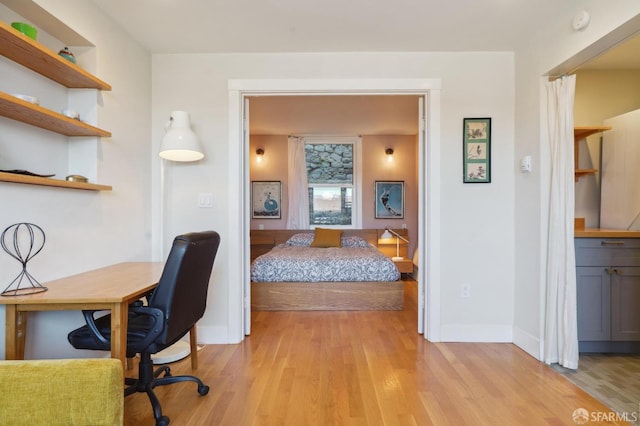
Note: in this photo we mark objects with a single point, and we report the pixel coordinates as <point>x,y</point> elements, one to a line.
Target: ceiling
<point>205,26</point>
<point>625,56</point>
<point>244,26</point>
<point>336,115</point>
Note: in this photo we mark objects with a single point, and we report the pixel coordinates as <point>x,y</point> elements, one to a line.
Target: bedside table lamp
<point>389,234</point>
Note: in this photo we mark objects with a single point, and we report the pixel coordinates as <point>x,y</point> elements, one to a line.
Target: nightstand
<point>405,266</point>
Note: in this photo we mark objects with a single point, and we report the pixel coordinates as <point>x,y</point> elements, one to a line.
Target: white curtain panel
<point>561,328</point>
<point>298,188</point>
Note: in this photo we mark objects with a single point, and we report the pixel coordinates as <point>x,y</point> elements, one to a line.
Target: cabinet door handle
<point>616,271</point>
<point>612,243</point>
<point>608,271</point>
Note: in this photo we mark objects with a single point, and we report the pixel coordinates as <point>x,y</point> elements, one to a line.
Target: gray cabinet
<point>594,303</point>
<point>608,294</point>
<point>625,297</point>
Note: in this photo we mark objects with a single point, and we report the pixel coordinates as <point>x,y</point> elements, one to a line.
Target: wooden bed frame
<point>321,296</point>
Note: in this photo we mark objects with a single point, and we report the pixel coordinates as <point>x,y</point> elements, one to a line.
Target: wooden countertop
<point>605,233</point>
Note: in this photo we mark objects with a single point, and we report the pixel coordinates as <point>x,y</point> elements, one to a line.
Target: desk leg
<point>119,318</point>
<point>15,327</point>
<point>193,340</point>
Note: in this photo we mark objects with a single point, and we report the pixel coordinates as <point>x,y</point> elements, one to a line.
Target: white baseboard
<point>527,342</point>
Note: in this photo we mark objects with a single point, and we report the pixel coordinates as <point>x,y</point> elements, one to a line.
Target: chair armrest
<point>155,315</point>
<point>155,328</point>
<point>91,323</point>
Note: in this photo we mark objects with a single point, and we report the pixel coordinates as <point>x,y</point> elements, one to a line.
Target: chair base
<point>149,379</point>
<point>179,350</point>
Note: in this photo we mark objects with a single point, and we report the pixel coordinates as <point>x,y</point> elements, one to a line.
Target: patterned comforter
<point>287,262</point>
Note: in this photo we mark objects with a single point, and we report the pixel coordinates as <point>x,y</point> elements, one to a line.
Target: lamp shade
<point>180,143</point>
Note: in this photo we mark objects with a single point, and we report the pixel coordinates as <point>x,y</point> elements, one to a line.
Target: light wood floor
<point>614,379</point>
<point>364,368</point>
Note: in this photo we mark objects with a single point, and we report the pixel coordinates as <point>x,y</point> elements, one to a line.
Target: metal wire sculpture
<point>16,250</point>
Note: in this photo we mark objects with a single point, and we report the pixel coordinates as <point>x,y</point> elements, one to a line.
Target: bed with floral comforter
<point>356,260</point>
<point>354,276</point>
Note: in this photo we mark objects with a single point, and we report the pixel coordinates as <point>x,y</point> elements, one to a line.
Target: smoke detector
<point>581,20</point>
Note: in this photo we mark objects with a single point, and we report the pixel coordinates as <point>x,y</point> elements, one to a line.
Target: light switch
<point>525,164</point>
<point>205,200</point>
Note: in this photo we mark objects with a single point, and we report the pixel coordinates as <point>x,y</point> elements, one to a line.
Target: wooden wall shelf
<point>35,115</point>
<point>35,180</point>
<point>31,54</point>
<point>579,133</point>
<point>38,58</point>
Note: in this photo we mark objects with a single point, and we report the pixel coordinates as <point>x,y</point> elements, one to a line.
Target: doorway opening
<point>428,91</point>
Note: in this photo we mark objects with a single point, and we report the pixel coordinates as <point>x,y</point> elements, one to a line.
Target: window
<point>333,176</point>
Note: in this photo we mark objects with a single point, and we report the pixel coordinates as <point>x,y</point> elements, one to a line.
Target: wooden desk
<point>112,287</point>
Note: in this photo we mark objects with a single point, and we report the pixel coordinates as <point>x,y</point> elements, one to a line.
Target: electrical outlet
<point>465,290</point>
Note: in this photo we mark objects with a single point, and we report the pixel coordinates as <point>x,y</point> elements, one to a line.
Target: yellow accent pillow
<point>327,238</point>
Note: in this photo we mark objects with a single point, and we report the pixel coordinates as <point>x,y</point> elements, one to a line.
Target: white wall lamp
<point>259,154</point>
<point>389,234</point>
<point>389,152</point>
<point>180,144</point>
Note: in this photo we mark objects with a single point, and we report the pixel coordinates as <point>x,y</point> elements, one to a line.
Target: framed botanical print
<point>266,199</point>
<point>389,199</point>
<point>476,150</point>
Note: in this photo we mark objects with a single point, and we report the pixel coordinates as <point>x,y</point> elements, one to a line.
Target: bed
<point>288,274</point>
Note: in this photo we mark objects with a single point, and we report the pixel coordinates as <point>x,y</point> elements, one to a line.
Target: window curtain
<point>298,205</point>
<point>561,328</point>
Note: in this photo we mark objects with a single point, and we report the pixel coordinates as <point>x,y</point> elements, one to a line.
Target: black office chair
<point>176,304</point>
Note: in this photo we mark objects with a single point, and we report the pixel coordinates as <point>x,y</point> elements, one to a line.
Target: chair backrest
<point>182,290</point>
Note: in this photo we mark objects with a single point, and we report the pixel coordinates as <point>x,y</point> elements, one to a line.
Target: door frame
<point>429,187</point>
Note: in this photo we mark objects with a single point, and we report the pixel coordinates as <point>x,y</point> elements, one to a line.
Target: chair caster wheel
<point>203,390</point>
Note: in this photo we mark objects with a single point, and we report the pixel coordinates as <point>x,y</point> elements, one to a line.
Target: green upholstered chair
<point>62,392</point>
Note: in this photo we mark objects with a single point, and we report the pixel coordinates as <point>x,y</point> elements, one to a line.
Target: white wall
<point>477,226</point>
<point>547,50</point>
<point>492,234</point>
<point>84,229</point>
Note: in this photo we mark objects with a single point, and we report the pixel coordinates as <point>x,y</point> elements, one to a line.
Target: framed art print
<point>389,199</point>
<point>476,150</point>
<point>266,200</point>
